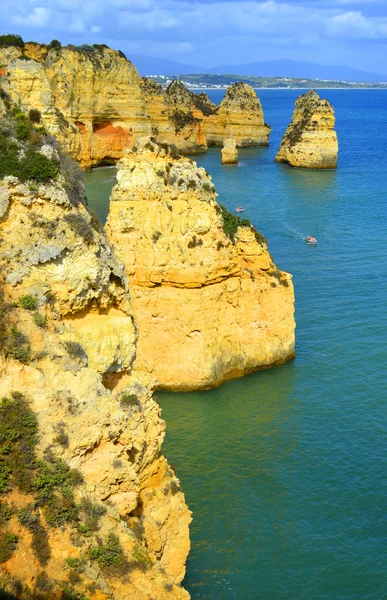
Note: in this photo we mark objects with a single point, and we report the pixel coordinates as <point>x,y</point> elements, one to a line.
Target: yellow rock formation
<point>95,102</point>
<point>208,308</point>
<point>239,115</point>
<point>310,141</point>
<point>68,349</point>
<point>229,152</point>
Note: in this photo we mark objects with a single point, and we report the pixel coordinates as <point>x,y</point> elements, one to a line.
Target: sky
<point>211,32</point>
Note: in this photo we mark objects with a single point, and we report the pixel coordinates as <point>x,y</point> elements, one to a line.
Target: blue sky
<point>211,32</point>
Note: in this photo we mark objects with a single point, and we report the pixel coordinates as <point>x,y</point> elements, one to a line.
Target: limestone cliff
<point>176,118</point>
<point>89,508</point>
<point>239,115</point>
<point>207,298</point>
<point>310,141</point>
<point>229,152</point>
<point>95,102</point>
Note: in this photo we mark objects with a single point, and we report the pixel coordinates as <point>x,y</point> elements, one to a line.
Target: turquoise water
<point>285,470</point>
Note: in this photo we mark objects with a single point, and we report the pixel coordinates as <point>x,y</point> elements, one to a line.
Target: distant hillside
<point>298,69</point>
<point>150,65</point>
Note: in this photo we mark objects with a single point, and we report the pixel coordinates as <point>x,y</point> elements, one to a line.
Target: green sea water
<point>285,470</point>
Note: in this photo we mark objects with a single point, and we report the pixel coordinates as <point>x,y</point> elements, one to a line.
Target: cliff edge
<point>310,141</point>
<point>93,100</point>
<point>89,507</point>
<point>208,300</point>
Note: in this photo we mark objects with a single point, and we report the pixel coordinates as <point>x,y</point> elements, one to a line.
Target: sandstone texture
<point>229,152</point>
<point>310,141</point>
<point>95,512</point>
<point>239,115</point>
<point>94,101</point>
<point>207,298</point>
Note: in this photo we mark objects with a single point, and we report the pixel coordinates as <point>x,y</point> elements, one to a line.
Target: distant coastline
<point>205,82</point>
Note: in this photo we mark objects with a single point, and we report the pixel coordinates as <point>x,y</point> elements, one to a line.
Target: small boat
<point>311,240</point>
<point>239,209</point>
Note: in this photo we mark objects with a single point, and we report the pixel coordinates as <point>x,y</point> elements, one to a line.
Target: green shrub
<point>232,222</point>
<point>6,513</point>
<point>11,39</point>
<point>55,44</point>
<point>22,129</point>
<point>37,166</point>
<point>29,302</point>
<point>73,563</point>
<point>8,544</point>
<point>110,556</point>
<point>15,415</point>
<point>34,115</point>
<point>40,320</point>
<point>127,400</point>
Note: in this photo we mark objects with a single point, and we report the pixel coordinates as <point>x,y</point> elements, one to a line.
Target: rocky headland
<point>208,300</point>
<point>96,104</point>
<point>89,507</point>
<point>310,141</point>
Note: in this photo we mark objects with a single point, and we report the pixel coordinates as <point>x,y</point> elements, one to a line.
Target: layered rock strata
<point>229,152</point>
<point>95,102</point>
<point>88,505</point>
<point>240,116</point>
<point>208,300</point>
<point>310,141</point>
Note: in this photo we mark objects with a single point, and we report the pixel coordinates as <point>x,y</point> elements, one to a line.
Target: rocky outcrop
<point>88,505</point>
<point>239,115</point>
<point>207,298</point>
<point>95,102</point>
<point>229,152</point>
<point>310,141</point>
<point>176,115</point>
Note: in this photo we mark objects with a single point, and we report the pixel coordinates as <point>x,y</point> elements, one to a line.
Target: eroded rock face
<point>239,115</point>
<point>229,152</point>
<point>208,308</point>
<point>95,102</point>
<point>68,349</point>
<point>310,141</point>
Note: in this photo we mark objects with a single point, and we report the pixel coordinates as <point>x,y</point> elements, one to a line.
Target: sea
<point>285,470</point>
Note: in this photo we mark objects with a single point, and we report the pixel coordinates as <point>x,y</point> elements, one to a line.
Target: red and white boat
<point>311,240</point>
<point>239,209</point>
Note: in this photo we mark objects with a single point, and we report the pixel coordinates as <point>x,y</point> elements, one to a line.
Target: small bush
<point>34,115</point>
<point>40,320</point>
<point>28,302</point>
<point>22,129</point>
<point>8,544</point>
<point>55,45</point>
<point>128,400</point>
<point>110,555</point>
<point>11,39</point>
<point>90,514</point>
<point>191,184</point>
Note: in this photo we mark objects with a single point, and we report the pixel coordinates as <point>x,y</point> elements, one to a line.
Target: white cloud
<point>38,17</point>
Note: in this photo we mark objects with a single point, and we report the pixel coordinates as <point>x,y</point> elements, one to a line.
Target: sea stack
<point>208,301</point>
<point>310,141</point>
<point>229,152</point>
<point>239,115</point>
